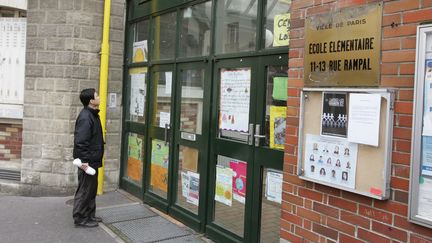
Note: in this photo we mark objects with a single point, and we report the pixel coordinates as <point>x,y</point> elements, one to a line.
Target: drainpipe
<point>103,83</point>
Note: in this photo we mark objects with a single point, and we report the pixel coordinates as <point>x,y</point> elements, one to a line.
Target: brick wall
<point>63,45</point>
<point>10,142</point>
<point>316,213</point>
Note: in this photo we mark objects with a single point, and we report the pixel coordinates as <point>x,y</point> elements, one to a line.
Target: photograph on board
<point>334,118</point>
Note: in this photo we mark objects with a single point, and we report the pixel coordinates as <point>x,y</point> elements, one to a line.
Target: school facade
<point>213,108</point>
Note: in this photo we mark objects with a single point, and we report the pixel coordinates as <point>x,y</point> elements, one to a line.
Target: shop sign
<point>343,48</point>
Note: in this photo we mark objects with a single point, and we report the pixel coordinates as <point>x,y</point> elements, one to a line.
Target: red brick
<point>406,68</point>
<point>302,4</point>
<point>340,226</point>
<point>328,190</point>
<point>295,62</point>
<point>306,234</point>
<point>417,16</point>
<point>307,224</point>
<point>294,53</point>
<point>325,231</point>
<point>427,3</point>
<point>402,171</point>
<point>375,214</point>
<point>318,10</point>
<point>401,158</point>
<point>371,237</point>
<point>404,121</point>
<point>399,183</point>
<point>398,56</point>
<point>399,6</point>
<point>391,206</point>
<point>389,231</point>
<point>404,107</point>
<point>293,179</point>
<point>389,69</point>
<point>292,218</point>
<point>313,195</point>
<point>292,199</point>
<point>397,81</point>
<point>357,198</point>
<point>401,30</point>
<point>343,204</point>
<point>347,239</point>
<point>296,82</point>
<point>290,237</point>
<point>402,133</point>
<point>402,222</point>
<point>401,196</point>
<point>403,146</point>
<point>324,209</point>
<point>419,239</point>
<point>390,19</point>
<point>308,214</point>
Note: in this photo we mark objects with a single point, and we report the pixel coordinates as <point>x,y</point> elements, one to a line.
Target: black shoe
<point>87,224</point>
<point>96,219</point>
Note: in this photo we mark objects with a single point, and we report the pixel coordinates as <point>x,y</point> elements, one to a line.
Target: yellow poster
<point>277,126</point>
<point>159,177</point>
<point>281,29</point>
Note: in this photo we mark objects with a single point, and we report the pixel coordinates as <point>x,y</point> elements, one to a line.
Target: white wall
<point>19,4</point>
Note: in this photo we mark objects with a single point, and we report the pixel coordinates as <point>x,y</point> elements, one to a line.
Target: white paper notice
<point>364,118</point>
<point>140,51</point>
<point>425,198</point>
<point>168,82</point>
<point>185,184</point>
<point>274,186</point>
<point>137,94</point>
<point>234,99</point>
<point>164,119</point>
<point>427,113</point>
<point>331,160</point>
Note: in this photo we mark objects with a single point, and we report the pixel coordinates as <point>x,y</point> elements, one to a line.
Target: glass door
<point>190,143</point>
<point>159,166</point>
<point>231,158</point>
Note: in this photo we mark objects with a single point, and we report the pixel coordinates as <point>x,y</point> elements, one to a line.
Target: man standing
<point>89,147</point>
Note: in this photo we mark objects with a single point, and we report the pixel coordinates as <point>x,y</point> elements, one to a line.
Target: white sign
<point>138,94</point>
<point>168,82</point>
<point>12,64</point>
<point>330,159</point>
<point>234,99</point>
<point>364,118</point>
<point>274,186</point>
<point>164,119</point>
<point>112,100</point>
<point>427,113</point>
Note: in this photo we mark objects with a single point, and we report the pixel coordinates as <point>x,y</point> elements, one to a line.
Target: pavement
<point>125,219</point>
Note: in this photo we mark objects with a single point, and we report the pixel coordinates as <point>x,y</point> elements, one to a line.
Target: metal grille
<point>151,229</point>
<point>124,213</point>
<point>10,175</point>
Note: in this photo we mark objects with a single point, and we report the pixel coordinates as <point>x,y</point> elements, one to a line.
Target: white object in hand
<point>89,169</point>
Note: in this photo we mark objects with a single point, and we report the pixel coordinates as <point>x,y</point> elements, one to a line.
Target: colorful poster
<point>334,119</point>
<point>140,51</point>
<point>193,192</point>
<point>135,153</point>
<point>281,28</point>
<point>234,99</point>
<point>280,88</point>
<point>273,190</point>
<point>223,190</point>
<point>137,94</point>
<point>277,126</point>
<point>239,170</point>
<point>331,160</point>
<point>427,113</point>
<point>159,165</point>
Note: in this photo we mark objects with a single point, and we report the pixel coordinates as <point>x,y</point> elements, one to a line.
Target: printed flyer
<point>159,165</point>
<point>193,192</point>
<point>277,126</point>
<point>223,192</point>
<point>330,160</point>
<point>334,118</point>
<point>273,190</point>
<point>135,153</point>
<point>140,51</point>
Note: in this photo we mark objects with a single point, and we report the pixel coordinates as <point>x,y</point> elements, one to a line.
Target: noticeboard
<point>339,157</point>
<point>420,201</point>
<point>342,48</point>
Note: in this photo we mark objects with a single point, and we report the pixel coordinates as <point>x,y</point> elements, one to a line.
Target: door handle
<point>257,135</point>
<point>248,134</point>
<point>167,126</point>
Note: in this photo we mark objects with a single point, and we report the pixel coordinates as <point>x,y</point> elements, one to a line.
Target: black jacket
<point>88,140</point>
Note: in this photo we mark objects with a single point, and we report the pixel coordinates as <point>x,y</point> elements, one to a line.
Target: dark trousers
<point>85,197</point>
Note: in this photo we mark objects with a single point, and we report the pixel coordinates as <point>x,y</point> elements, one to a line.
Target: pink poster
<point>239,180</point>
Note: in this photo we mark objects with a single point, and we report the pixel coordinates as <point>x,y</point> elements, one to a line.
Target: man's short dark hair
<point>87,95</point>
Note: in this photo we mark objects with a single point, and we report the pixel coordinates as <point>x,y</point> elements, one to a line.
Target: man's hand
<point>84,166</point>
